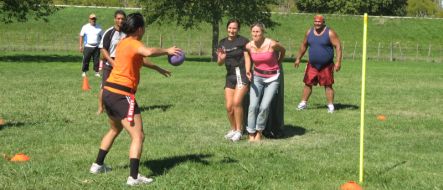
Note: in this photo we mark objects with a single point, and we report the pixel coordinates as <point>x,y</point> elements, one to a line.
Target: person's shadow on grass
<point>154,107</point>
<point>162,166</point>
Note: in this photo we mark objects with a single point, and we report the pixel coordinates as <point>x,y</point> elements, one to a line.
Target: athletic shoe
<point>230,134</point>
<point>331,108</point>
<point>302,106</point>
<point>96,169</point>
<point>236,137</point>
<point>83,74</point>
<point>97,74</point>
<point>140,180</point>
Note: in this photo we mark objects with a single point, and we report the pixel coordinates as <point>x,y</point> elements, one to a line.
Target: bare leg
<point>137,136</point>
<point>252,137</point>
<point>259,136</point>
<point>307,90</point>
<point>329,91</point>
<point>238,107</point>
<point>100,102</point>
<point>229,99</point>
<point>114,131</point>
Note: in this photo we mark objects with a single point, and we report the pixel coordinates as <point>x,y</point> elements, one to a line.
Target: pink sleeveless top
<point>266,61</point>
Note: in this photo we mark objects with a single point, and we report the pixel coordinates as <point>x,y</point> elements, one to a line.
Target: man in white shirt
<point>90,37</point>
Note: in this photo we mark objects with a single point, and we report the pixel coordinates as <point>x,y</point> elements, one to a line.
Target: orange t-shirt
<point>126,70</point>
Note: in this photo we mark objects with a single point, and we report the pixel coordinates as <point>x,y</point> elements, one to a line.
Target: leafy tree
<point>189,13</point>
<point>21,10</point>
<point>372,7</point>
<point>422,8</point>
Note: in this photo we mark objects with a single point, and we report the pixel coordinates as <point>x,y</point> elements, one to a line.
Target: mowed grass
<point>50,118</point>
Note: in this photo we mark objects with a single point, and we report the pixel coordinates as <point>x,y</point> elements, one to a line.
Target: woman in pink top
<point>267,56</point>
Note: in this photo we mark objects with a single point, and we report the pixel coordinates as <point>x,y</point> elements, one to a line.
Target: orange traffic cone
<point>20,157</point>
<point>351,185</point>
<point>85,86</point>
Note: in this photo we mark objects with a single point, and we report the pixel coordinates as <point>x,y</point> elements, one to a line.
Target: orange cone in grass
<point>20,157</point>
<point>85,86</point>
<point>351,185</point>
<point>381,117</point>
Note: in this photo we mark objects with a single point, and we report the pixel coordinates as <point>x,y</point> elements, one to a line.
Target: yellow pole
<point>362,101</point>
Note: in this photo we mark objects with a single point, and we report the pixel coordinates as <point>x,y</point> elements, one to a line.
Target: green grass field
<point>52,120</point>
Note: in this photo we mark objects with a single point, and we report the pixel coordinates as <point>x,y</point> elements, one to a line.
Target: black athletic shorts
<point>231,81</point>
<point>117,105</point>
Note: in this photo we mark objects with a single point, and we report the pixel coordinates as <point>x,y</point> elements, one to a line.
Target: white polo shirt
<point>92,35</point>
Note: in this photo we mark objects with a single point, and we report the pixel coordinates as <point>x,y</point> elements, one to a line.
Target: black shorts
<point>117,105</point>
<point>231,81</point>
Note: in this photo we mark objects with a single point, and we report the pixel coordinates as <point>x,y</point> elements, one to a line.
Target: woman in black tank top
<point>233,54</point>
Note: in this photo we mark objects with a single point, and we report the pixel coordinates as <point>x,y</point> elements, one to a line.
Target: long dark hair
<point>133,22</point>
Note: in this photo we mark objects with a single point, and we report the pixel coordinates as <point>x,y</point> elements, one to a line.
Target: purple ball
<point>176,60</point>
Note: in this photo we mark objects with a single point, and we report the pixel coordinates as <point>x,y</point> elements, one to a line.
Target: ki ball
<point>176,60</point>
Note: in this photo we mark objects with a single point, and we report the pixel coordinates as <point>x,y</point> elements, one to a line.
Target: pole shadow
<point>292,130</point>
<point>287,131</point>
<point>338,106</point>
<point>153,107</point>
<point>164,165</point>
<point>12,124</point>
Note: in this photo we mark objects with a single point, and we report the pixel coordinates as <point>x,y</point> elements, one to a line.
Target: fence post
<point>392,52</point>
<point>161,41</point>
<point>416,53</point>
<point>401,52</point>
<point>378,51</point>
<point>429,53</point>
<point>200,48</point>
<point>355,47</point>
<point>189,44</point>
<point>147,40</point>
<point>289,47</point>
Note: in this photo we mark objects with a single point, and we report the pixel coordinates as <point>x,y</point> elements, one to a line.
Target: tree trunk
<point>215,32</point>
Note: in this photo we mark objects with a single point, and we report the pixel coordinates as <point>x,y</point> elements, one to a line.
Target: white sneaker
<point>96,169</point>
<point>83,74</point>
<point>97,74</point>
<point>302,106</point>
<point>140,180</point>
<point>331,108</point>
<point>236,137</point>
<point>230,134</point>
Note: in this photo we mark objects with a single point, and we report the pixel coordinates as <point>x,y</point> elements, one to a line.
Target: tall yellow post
<point>362,101</point>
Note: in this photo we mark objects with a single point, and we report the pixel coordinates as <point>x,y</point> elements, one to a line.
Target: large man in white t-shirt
<point>90,37</point>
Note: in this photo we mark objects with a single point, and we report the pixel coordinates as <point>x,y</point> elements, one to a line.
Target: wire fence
<point>198,46</point>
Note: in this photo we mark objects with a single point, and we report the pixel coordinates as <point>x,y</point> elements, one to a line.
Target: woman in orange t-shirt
<point>119,91</point>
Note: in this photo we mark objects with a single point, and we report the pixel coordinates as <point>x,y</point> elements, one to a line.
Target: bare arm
<point>248,65</point>
<point>221,56</point>
<point>337,45</point>
<point>80,45</point>
<point>149,64</point>
<point>302,50</point>
<point>107,56</point>
<point>280,49</point>
<point>153,52</point>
